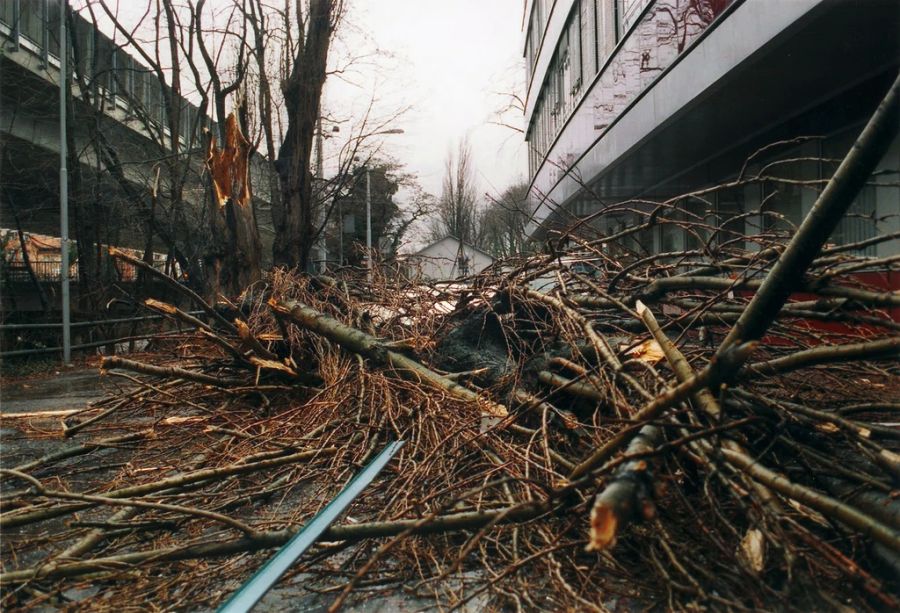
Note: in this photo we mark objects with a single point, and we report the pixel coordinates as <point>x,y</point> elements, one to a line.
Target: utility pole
<point>340,234</point>
<point>369,225</point>
<point>369,208</point>
<point>319,247</point>
<point>64,189</point>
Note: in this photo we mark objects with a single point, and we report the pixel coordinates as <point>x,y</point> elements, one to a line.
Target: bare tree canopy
<point>456,213</point>
<point>294,216</point>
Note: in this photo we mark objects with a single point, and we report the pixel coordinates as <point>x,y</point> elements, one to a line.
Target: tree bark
<point>294,216</point>
<point>628,493</point>
<point>373,349</point>
<point>167,372</point>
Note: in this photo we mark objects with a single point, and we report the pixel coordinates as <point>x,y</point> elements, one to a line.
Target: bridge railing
<point>118,78</point>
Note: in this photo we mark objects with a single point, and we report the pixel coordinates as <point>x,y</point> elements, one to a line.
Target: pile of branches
<point>590,420</point>
<point>592,428</point>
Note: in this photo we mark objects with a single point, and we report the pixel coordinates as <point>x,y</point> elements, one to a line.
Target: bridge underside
<point>30,163</point>
<point>29,198</point>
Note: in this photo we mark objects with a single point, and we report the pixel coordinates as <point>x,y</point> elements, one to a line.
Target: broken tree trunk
<point>629,493</point>
<point>235,256</point>
<point>372,348</point>
<point>167,372</point>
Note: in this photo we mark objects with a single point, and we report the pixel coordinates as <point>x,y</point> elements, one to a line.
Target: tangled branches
<point>621,435</point>
<point>577,436</point>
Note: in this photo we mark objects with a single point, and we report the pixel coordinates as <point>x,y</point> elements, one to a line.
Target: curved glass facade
<point>608,53</point>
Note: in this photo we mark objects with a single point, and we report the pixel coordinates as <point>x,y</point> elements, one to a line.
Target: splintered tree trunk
<point>293,217</point>
<point>235,255</point>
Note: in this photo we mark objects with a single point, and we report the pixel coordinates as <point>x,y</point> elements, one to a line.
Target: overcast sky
<point>451,62</point>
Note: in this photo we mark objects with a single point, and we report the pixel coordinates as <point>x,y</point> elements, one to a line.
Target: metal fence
<point>43,270</point>
<point>15,328</point>
<point>49,271</point>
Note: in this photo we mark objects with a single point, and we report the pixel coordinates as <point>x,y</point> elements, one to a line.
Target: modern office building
<point>649,99</point>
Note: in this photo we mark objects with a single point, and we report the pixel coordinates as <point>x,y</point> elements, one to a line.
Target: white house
<point>447,259</point>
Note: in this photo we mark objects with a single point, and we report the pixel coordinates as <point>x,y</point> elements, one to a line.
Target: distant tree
<point>456,212</point>
<point>419,205</point>
<point>504,220</point>
<point>385,210</point>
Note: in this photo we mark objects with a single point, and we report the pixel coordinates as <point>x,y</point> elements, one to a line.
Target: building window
<point>729,218</point>
<point>627,14</point>
<point>536,24</point>
<point>671,238</point>
<point>574,63</point>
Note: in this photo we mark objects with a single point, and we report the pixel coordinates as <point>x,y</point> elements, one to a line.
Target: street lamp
<point>319,248</point>
<point>369,209</point>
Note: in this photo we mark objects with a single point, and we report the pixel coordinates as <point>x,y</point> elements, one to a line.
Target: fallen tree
<point>623,441</point>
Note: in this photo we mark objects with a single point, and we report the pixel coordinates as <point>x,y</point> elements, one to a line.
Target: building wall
<point>597,56</point>
<point>684,92</point>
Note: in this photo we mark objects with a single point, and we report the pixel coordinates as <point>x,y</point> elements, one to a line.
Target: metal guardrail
<point>84,324</point>
<point>45,350</point>
<point>81,324</point>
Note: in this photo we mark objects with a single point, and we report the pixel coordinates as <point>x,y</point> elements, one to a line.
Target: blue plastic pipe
<point>268,575</point>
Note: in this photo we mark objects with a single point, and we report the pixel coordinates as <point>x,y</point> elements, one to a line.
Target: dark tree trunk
<point>83,214</point>
<point>294,217</point>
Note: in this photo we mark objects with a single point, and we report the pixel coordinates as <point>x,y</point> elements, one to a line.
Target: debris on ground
<point>595,449</point>
<point>593,428</point>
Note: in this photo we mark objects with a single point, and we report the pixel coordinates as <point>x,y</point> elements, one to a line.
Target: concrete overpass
<point>127,111</point>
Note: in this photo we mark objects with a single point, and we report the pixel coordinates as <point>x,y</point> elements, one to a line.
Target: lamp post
<point>369,224</point>
<point>320,248</point>
<point>64,190</point>
<point>369,209</point>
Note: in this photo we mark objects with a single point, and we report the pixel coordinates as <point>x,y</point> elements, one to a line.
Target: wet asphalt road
<point>56,396</point>
<point>64,389</point>
<point>23,439</point>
